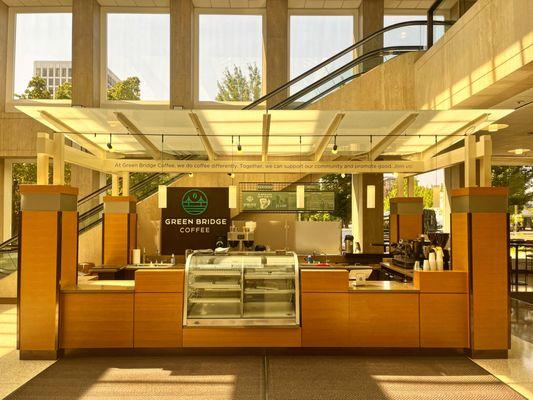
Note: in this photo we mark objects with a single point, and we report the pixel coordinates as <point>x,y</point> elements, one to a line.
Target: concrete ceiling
<point>310,4</point>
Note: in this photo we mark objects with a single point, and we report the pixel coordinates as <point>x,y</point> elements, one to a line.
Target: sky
<point>139,45</point>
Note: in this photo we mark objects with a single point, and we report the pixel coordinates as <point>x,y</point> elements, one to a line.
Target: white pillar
<point>470,161</point>
<point>42,168</point>
<point>59,159</point>
<point>400,182</point>
<point>485,174</point>
<point>357,207</point>
<point>114,185</point>
<point>125,184</point>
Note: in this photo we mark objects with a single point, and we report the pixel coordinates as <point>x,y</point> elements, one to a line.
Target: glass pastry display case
<point>241,289</point>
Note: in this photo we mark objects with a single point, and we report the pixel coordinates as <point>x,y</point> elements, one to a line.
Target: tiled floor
<point>516,371</point>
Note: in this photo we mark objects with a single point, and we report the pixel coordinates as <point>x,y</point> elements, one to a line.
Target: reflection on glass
<point>138,56</point>
<point>43,45</point>
<point>230,57</point>
<point>315,38</point>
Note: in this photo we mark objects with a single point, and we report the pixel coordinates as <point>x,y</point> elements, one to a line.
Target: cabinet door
<point>444,320</point>
<point>158,320</point>
<point>325,319</point>
<point>384,320</point>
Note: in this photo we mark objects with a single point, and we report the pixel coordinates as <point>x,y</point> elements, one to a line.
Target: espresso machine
<point>241,236</point>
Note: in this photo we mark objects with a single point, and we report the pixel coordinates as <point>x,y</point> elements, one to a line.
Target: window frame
<point>11,102</point>
<point>196,52</point>
<point>104,102</point>
<point>329,12</point>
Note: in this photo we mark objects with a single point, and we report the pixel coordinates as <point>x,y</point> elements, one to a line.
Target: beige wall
<point>90,246</point>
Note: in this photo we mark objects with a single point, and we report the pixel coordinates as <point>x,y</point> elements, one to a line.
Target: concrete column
<point>371,13</point>
<point>485,171</point>
<point>3,189</point>
<point>114,185</point>
<point>411,186</point>
<point>400,183</point>
<point>181,54</point>
<point>43,163</point>
<point>59,159</point>
<point>3,54</point>
<point>119,235</point>
<point>276,72</point>
<point>470,161</point>
<point>86,53</point>
<point>453,179</point>
<point>125,184</point>
<point>367,222</point>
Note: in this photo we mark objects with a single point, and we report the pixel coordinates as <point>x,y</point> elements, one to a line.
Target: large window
<point>138,57</point>
<point>43,46</point>
<point>409,35</point>
<point>230,57</point>
<point>315,38</point>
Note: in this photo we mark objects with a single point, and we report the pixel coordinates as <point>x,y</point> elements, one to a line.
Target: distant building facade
<point>56,73</point>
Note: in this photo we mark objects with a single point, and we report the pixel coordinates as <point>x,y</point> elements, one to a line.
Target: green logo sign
<point>194,202</point>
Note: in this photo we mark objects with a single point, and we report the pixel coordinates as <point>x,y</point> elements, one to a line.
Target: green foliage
<point>128,89</point>
<point>519,180</point>
<point>64,91</point>
<point>420,191</point>
<point>236,86</point>
<point>36,89</point>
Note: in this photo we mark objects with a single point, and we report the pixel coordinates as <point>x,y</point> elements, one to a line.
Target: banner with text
<point>286,201</point>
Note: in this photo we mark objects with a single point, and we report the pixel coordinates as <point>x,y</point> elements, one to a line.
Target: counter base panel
<point>241,337</point>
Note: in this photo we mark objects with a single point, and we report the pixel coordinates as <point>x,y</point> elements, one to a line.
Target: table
<point>527,244</point>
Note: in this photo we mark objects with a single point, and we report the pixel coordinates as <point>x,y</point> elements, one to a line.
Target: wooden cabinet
<point>241,337</point>
<point>159,281</point>
<point>444,320</point>
<point>158,319</point>
<point>384,320</point>
<point>325,319</point>
<point>96,320</point>
<point>325,281</point>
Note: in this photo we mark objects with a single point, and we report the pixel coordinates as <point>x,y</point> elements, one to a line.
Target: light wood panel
<point>158,320</point>
<point>69,248</point>
<point>441,281</point>
<point>325,319</point>
<point>241,337</point>
<point>444,320</point>
<point>384,320</point>
<point>393,228</point>
<point>159,281</point>
<point>490,297</point>
<point>132,235</point>
<point>115,239</point>
<point>459,242</point>
<point>39,271</point>
<point>410,226</point>
<point>96,320</point>
<point>326,280</point>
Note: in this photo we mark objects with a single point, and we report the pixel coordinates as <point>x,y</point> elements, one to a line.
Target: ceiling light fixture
<point>343,175</point>
<point>109,144</point>
<point>191,174</point>
<point>239,147</point>
<point>231,174</point>
<point>335,148</point>
<point>495,127</point>
<point>519,152</point>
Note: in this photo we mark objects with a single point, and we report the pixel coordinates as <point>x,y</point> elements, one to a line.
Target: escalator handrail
<point>340,54</point>
<point>345,67</point>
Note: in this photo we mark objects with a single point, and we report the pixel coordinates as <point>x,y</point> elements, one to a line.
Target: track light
<point>109,144</point>
<point>334,150</point>
<point>239,147</point>
<point>231,174</point>
<point>343,175</point>
<point>191,174</point>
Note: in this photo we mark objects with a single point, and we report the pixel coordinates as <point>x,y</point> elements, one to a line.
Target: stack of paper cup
<point>432,262</point>
<point>425,266</point>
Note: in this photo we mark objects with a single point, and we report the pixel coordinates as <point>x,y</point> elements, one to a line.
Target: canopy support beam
<point>329,133</point>
<point>211,155</point>
<point>402,126</point>
<point>147,145</point>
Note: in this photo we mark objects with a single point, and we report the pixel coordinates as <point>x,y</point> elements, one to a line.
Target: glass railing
<point>349,63</point>
<point>8,261</point>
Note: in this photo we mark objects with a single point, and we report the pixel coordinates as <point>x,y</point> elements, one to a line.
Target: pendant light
<point>162,189</point>
<point>335,148</point>
<point>232,189</point>
<point>370,189</point>
<point>300,189</point>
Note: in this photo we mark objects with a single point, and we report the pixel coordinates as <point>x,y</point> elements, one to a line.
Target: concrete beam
<point>386,141</point>
<point>181,54</point>
<point>276,57</point>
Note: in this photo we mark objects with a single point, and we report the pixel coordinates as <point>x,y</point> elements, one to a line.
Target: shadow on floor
<point>287,377</point>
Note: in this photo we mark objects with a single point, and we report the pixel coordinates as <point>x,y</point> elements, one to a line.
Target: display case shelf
<point>240,289</point>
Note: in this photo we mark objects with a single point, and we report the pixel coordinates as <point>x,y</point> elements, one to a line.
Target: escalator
<point>89,218</point>
<point>345,66</point>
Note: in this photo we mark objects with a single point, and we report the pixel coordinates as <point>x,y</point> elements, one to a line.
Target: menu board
<point>286,201</point>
